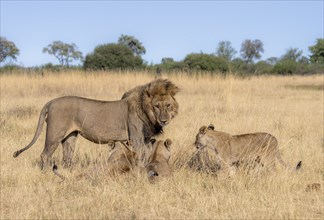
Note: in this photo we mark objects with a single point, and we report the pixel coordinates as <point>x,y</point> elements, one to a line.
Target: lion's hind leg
<point>68,148</point>
<point>46,155</point>
<point>53,139</point>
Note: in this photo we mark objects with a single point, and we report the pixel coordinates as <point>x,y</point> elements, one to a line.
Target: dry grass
<point>291,108</point>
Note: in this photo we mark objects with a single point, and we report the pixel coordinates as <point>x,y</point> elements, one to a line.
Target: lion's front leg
<point>136,137</point>
<point>227,168</point>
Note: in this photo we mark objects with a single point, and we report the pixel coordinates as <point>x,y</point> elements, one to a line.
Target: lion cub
<point>245,150</point>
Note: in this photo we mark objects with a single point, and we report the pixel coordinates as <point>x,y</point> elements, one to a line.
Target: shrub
<point>112,56</point>
<point>262,67</point>
<point>285,67</point>
<point>205,62</point>
<point>172,66</point>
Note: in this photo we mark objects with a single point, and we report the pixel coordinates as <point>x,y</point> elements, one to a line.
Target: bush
<point>262,67</point>
<point>285,67</point>
<point>172,66</point>
<point>10,68</point>
<point>206,62</point>
<point>112,56</point>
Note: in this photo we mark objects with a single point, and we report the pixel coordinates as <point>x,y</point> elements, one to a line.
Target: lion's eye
<point>156,106</point>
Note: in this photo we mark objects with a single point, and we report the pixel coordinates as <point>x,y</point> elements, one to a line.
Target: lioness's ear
<point>167,143</point>
<point>203,130</point>
<point>129,143</point>
<point>111,144</point>
<point>211,127</point>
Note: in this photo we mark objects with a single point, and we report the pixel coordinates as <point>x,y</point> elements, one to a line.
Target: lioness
<point>140,115</point>
<point>256,149</point>
<point>158,163</point>
<point>123,159</point>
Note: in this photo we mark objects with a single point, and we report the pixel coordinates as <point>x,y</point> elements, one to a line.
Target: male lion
<point>247,150</point>
<point>140,115</point>
<point>123,159</point>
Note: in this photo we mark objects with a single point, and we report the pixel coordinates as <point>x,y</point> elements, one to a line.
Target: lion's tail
<point>284,164</point>
<point>41,120</point>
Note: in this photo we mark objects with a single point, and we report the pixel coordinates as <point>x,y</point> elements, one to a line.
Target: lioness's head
<point>158,163</point>
<point>159,102</point>
<point>203,138</point>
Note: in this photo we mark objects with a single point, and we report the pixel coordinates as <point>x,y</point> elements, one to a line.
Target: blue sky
<point>165,28</point>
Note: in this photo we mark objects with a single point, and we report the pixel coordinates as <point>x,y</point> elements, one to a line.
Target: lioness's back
<point>255,144</point>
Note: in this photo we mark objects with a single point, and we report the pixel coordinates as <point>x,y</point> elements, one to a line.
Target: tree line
<point>126,54</point>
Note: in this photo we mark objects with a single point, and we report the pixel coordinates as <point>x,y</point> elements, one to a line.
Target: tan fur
<point>140,115</point>
<point>313,187</point>
<point>123,159</point>
<point>158,163</point>
<point>246,150</point>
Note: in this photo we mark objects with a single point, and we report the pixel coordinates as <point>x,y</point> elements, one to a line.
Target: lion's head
<point>154,105</point>
<point>159,103</point>
<point>204,137</point>
<point>158,163</point>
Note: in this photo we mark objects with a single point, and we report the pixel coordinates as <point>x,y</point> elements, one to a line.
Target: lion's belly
<point>104,123</point>
<point>104,134</point>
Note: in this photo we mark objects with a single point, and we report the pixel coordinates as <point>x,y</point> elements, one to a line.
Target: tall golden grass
<point>290,108</point>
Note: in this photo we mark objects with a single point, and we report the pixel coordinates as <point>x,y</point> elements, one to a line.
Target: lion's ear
<point>147,92</point>
<point>211,127</point>
<point>171,88</point>
<point>153,140</point>
<point>167,143</point>
<point>174,90</point>
<point>203,130</point>
<point>162,87</point>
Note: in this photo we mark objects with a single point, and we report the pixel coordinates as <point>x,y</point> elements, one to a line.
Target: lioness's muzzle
<point>152,173</point>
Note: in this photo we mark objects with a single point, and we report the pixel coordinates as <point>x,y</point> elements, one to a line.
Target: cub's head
<point>159,102</point>
<point>203,137</point>
<point>158,163</point>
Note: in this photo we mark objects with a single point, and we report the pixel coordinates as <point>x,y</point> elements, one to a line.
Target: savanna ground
<point>291,108</point>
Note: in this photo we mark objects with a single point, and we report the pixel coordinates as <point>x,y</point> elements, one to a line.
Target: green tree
<point>225,50</point>
<point>286,67</point>
<point>272,60</point>
<point>205,62</point>
<point>166,60</point>
<point>7,50</point>
<point>251,49</point>
<point>317,51</point>
<point>238,64</point>
<point>65,53</point>
<point>133,44</point>
<point>262,67</point>
<point>112,56</point>
<point>292,54</point>
<point>303,60</point>
<point>168,64</point>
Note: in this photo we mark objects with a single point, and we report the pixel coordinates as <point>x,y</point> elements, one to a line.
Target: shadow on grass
<point>305,87</point>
